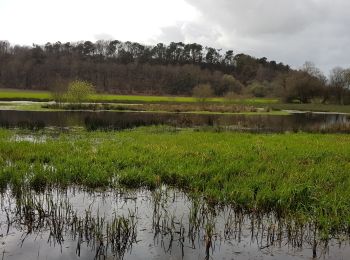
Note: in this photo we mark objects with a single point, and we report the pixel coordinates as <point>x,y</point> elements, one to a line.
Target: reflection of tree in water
<point>124,120</point>
<point>35,213</point>
<point>201,227</point>
<point>206,226</point>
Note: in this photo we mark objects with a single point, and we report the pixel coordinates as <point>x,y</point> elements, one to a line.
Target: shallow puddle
<point>28,138</point>
<point>160,224</point>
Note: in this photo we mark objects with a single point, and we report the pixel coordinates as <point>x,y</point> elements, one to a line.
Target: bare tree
<point>58,90</point>
<point>339,81</point>
<point>310,68</point>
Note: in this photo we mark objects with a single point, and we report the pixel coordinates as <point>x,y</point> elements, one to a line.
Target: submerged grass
<point>312,107</point>
<point>295,174</point>
<point>191,108</point>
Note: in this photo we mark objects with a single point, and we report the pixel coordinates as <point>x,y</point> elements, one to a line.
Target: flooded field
<point>314,122</point>
<point>40,221</point>
<point>160,224</point>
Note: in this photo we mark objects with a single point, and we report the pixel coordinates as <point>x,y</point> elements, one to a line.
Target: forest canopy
<point>174,69</point>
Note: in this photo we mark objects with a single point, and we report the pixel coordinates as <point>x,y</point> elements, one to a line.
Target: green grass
<point>170,99</point>
<point>305,176</point>
<point>14,94</point>
<point>143,99</point>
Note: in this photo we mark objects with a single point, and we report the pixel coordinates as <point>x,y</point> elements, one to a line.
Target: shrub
<point>79,91</point>
<point>202,92</point>
<point>257,89</point>
<point>231,84</point>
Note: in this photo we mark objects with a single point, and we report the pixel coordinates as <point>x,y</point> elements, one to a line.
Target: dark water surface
<point>160,224</point>
<point>121,120</point>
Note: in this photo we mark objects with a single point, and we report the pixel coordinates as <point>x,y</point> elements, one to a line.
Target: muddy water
<point>120,120</point>
<point>162,224</point>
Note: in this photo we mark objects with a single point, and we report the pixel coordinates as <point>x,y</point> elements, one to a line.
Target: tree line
<point>173,69</point>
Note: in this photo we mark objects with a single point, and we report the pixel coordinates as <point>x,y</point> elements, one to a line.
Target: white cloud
<point>39,21</point>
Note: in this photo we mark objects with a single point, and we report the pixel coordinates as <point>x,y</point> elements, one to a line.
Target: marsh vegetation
<point>302,175</point>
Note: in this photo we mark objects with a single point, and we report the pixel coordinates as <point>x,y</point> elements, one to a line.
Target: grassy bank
<point>193,108</point>
<point>302,175</point>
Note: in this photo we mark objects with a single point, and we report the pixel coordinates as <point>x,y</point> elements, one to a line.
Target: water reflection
<point>121,120</point>
<point>160,224</point>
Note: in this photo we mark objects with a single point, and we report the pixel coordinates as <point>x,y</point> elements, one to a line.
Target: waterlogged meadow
<point>141,224</point>
<point>296,184</point>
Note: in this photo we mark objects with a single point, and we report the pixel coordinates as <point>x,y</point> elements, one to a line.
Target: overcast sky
<point>291,31</point>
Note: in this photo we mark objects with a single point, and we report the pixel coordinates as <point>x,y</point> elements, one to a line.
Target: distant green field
<point>145,99</point>
<point>14,94</point>
<point>133,98</point>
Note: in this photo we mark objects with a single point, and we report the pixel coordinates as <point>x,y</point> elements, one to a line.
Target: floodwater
<point>315,122</point>
<point>160,224</point>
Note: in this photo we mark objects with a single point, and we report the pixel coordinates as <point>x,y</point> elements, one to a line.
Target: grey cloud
<point>261,16</point>
<point>290,31</point>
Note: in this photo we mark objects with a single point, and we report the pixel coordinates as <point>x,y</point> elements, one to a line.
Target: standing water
<point>160,224</point>
<point>315,122</point>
